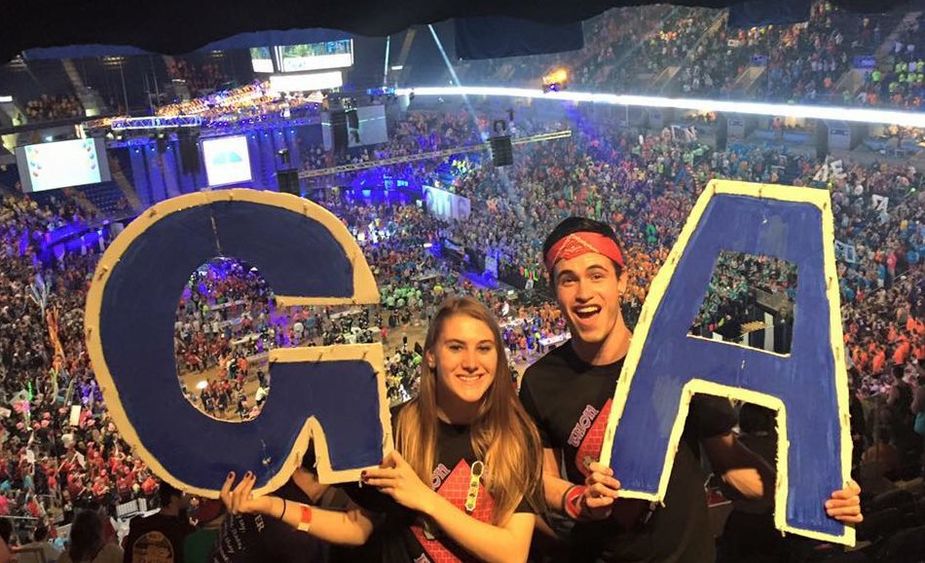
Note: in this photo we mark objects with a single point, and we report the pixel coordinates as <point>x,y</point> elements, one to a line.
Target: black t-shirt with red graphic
<point>570,401</point>
<point>404,536</point>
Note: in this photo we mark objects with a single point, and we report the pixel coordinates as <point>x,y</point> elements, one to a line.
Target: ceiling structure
<point>181,26</point>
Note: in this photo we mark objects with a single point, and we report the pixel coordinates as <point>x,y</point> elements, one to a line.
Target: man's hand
<point>845,505</point>
<point>601,490</point>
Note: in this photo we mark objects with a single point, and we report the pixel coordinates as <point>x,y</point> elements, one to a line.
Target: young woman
<point>464,481</point>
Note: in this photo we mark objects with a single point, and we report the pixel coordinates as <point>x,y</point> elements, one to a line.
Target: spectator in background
<point>53,107</point>
<point>162,533</point>
<point>6,533</point>
<point>750,534</point>
<point>882,457</point>
<point>918,410</point>
<point>87,542</point>
<point>40,541</point>
<point>198,546</point>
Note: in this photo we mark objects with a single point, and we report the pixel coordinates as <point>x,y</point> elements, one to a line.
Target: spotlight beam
<point>385,65</point>
<point>452,71</point>
<point>855,115</point>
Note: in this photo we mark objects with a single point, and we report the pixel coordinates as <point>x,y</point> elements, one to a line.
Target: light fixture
<point>832,113</point>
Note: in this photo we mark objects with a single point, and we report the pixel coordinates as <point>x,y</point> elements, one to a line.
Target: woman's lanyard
<point>472,495</point>
<point>475,476</point>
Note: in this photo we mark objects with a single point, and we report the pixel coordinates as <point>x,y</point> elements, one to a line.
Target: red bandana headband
<point>579,243</point>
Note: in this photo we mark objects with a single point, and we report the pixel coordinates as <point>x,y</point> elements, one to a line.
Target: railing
<point>428,155</point>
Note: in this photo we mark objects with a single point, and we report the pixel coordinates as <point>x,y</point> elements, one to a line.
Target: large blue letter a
<point>808,387</point>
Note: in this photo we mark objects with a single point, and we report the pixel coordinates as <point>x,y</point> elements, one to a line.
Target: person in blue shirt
<point>912,256</point>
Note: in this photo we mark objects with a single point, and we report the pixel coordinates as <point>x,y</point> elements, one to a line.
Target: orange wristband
<point>305,521</point>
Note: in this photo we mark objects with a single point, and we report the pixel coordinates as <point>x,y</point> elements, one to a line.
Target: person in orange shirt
<point>878,364</point>
<point>903,349</point>
<point>863,361</point>
<point>919,350</point>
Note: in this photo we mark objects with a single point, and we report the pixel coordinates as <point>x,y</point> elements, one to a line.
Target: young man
<point>160,537</point>
<point>568,394</point>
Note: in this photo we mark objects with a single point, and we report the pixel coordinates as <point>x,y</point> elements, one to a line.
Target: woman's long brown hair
<point>503,435</point>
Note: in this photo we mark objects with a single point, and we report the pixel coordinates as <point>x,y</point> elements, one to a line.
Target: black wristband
<point>283,515</point>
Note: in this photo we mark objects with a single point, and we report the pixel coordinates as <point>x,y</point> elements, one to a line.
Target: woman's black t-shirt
<point>403,535</point>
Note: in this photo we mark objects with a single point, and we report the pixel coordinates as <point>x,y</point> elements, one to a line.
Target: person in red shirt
<point>100,487</point>
<point>34,508</point>
<point>124,483</point>
<point>51,478</point>
<point>116,461</point>
<point>149,485</point>
<point>76,484</point>
<point>95,457</point>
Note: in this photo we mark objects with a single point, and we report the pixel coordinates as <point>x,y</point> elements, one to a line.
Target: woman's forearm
<point>350,527</point>
<point>485,541</point>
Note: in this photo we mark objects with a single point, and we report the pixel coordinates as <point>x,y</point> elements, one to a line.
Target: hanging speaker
<point>339,130</point>
<point>502,153</point>
<point>288,181</point>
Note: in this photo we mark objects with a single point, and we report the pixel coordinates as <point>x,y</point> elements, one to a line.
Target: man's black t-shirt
<point>403,536</point>
<point>570,402</point>
<point>251,538</point>
<point>156,539</point>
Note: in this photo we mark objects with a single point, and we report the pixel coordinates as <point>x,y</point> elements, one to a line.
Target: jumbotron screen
<point>316,56</point>
<point>262,59</point>
<point>64,164</point>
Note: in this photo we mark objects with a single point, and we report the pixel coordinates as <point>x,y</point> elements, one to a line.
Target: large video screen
<point>317,56</point>
<point>63,164</point>
<point>262,59</point>
<point>227,160</point>
<point>371,127</point>
<point>365,126</point>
